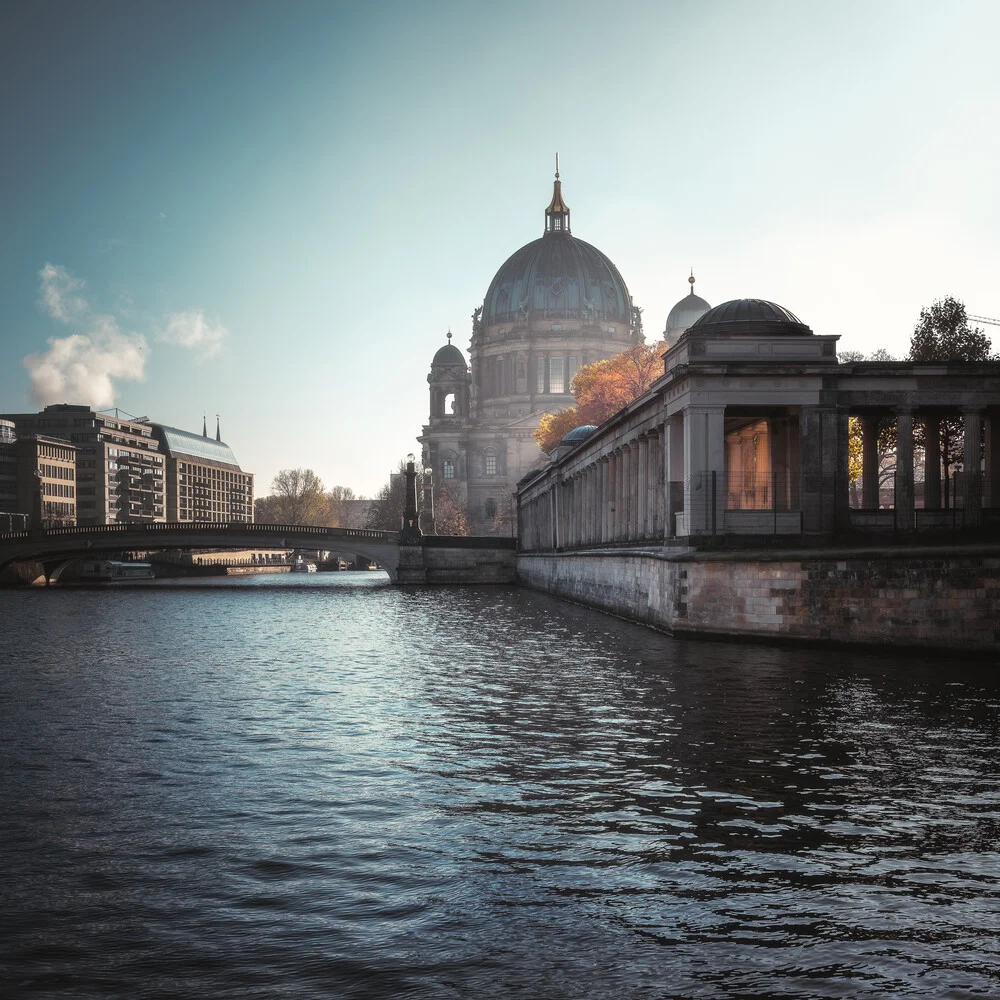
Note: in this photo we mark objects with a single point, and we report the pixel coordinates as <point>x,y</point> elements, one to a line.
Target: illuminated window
<point>449,469</point>
<point>491,465</point>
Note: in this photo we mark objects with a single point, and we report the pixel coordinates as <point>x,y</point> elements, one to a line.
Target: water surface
<point>321,786</point>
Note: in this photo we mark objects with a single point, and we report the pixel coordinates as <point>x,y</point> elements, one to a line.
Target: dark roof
<point>557,277</point>
<point>577,434</point>
<point>177,442</point>
<point>749,316</point>
<point>449,355</point>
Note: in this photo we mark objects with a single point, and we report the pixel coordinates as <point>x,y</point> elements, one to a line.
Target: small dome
<point>750,317</point>
<point>687,312</point>
<point>577,434</point>
<point>449,355</point>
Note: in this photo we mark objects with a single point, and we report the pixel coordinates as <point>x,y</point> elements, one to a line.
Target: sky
<point>275,211</point>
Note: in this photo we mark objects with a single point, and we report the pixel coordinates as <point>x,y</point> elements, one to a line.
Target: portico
<point>748,433</point>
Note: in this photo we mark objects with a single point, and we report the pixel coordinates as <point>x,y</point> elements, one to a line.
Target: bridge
<point>407,558</point>
<point>56,548</point>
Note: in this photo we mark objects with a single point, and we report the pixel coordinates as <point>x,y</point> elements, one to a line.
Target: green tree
<point>943,333</point>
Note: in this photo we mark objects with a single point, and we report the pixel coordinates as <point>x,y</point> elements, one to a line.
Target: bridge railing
<point>161,528</point>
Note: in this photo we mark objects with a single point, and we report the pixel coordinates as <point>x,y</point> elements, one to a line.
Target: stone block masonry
<point>945,598</point>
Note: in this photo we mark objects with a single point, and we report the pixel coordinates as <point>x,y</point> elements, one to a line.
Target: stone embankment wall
<point>947,598</point>
<point>445,559</point>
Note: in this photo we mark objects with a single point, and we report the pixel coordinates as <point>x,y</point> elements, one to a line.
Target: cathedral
<point>554,305</point>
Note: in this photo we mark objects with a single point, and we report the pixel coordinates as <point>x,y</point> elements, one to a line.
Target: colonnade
<point>981,467</point>
<point>618,497</point>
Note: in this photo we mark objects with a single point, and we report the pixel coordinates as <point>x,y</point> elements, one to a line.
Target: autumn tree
<point>601,389</point>
<point>451,517</point>
<point>296,497</point>
<point>855,439</point>
<point>338,506</point>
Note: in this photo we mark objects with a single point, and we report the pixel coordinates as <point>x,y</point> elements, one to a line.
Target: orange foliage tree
<point>601,389</point>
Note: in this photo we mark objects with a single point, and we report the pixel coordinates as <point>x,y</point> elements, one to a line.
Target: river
<point>320,786</point>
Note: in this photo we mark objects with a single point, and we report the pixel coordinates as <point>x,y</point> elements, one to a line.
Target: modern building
<point>554,305</point>
<point>204,482</point>
<point>119,470</point>
<point>46,479</point>
<point>8,468</point>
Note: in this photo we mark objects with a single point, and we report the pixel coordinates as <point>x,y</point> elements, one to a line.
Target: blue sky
<point>275,211</point>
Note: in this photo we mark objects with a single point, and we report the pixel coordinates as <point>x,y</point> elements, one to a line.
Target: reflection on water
<point>293,787</point>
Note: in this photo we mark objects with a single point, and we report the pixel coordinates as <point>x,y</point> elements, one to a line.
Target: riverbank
<point>944,598</point>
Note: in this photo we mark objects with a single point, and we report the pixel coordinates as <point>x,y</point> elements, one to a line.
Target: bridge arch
<point>57,547</point>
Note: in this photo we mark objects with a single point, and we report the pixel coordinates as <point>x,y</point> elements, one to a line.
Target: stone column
<point>904,471</point>
<point>932,463</point>
<point>869,462</point>
<point>641,473</point>
<point>654,467</point>
<point>606,482</point>
<point>992,476</point>
<point>704,454</point>
<point>972,465</point>
<point>818,451</point>
<point>842,499</point>
<point>619,494</point>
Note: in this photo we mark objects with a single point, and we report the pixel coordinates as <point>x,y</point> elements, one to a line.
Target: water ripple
<point>307,789</point>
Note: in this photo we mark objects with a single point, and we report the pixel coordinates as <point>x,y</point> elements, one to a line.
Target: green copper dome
<point>557,277</point>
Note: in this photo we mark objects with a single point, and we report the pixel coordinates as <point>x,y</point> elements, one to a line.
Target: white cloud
<point>82,367</point>
<point>193,331</point>
<point>59,296</point>
<point>85,366</point>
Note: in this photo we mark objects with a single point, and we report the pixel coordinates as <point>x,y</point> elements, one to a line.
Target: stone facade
<point>942,598</point>
<point>555,305</point>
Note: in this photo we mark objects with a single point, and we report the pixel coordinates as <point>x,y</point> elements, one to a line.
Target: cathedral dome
<point>557,277</point>
<point>684,314</point>
<point>448,355</point>
<point>750,317</point>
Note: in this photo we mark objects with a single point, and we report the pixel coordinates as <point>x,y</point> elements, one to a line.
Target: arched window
<point>449,404</point>
<point>449,469</point>
<point>491,465</point>
<point>490,508</point>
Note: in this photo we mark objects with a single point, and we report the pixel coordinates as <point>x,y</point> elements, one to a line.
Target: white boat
<point>301,566</point>
<point>105,570</point>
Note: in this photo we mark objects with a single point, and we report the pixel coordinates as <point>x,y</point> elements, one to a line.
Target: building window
<point>540,376</point>
<point>491,465</point>
<point>557,375</point>
<point>490,508</point>
<point>449,469</point>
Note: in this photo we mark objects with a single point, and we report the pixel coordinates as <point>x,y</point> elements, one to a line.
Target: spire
<point>557,214</point>
<point>204,426</point>
<point>449,334</point>
<point>691,281</point>
<point>218,432</point>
